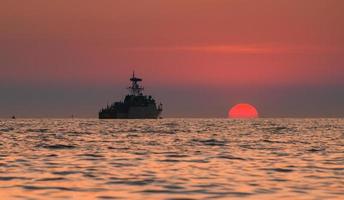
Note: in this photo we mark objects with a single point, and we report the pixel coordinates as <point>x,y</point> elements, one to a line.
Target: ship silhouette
<point>136,105</point>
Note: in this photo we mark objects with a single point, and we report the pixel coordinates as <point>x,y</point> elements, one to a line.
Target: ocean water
<point>174,159</point>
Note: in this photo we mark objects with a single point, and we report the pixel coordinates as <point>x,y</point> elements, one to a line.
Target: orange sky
<point>176,43</point>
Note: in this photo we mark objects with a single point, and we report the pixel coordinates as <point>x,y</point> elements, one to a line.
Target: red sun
<point>243,110</point>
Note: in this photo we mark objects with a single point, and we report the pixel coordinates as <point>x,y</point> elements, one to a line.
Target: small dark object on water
<point>13,117</point>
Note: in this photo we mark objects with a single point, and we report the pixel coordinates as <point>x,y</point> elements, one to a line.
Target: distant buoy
<point>13,117</point>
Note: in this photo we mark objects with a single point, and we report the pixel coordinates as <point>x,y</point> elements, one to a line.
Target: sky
<point>197,57</point>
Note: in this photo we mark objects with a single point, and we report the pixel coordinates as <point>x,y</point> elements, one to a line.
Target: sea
<point>172,159</point>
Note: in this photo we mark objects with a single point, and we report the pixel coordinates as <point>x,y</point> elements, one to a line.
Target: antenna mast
<point>135,88</point>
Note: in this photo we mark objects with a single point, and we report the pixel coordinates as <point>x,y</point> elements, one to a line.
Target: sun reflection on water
<point>171,159</point>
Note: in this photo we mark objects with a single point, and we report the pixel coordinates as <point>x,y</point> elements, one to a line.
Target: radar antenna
<point>135,88</point>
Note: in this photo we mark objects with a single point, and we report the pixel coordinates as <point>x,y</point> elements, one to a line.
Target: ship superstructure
<point>136,105</point>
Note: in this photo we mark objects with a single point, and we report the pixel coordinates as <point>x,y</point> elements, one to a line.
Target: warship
<point>136,105</point>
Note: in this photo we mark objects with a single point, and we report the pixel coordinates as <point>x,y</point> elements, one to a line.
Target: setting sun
<point>243,110</point>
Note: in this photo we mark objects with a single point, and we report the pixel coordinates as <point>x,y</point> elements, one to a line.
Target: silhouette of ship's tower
<point>136,105</point>
<point>135,89</point>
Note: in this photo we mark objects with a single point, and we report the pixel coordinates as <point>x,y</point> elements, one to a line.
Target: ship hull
<point>149,112</point>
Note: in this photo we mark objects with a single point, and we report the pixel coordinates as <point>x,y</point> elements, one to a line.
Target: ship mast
<point>135,89</point>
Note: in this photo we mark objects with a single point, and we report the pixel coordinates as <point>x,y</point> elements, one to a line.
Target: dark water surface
<point>172,159</point>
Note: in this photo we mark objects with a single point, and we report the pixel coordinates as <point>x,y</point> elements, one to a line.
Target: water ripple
<point>172,159</point>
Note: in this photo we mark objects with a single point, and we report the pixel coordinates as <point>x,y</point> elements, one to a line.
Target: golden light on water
<point>170,159</point>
